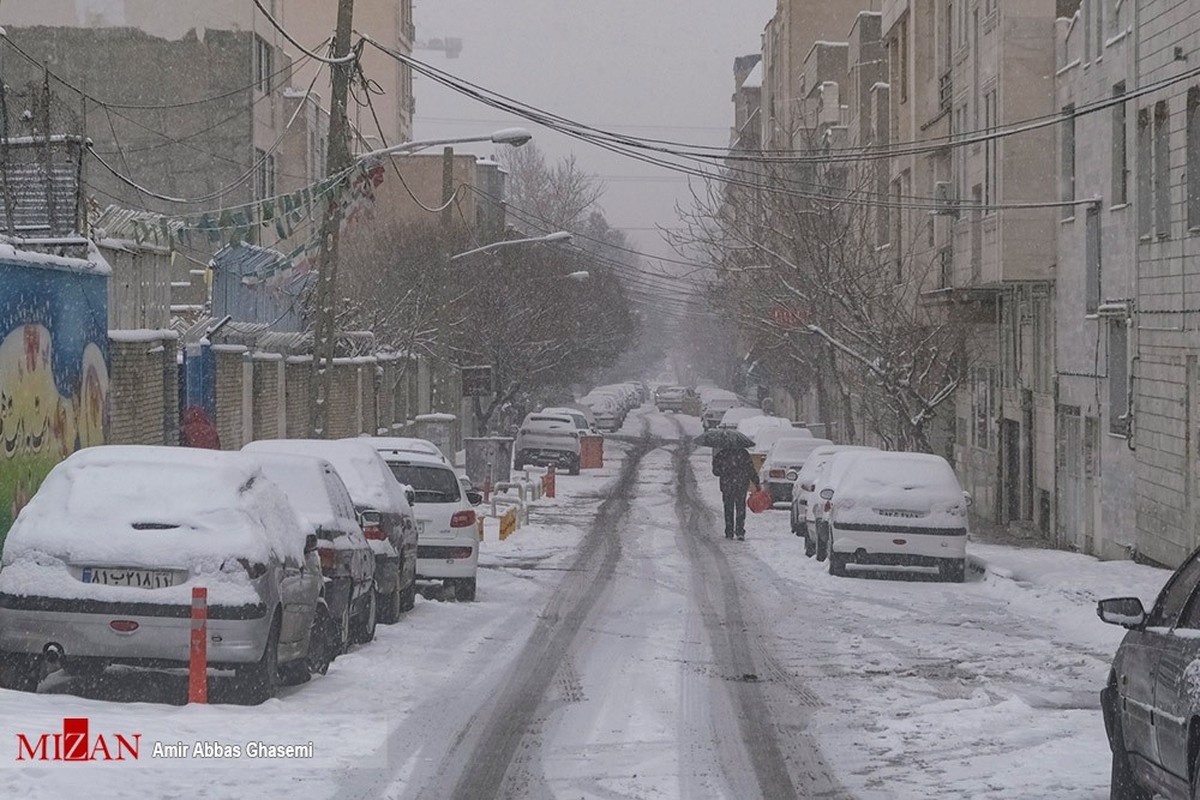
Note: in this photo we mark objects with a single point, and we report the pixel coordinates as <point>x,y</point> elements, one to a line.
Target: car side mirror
<point>370,519</point>
<point>474,497</point>
<point>1127,612</point>
<point>968,498</point>
<point>310,543</point>
<point>827,494</point>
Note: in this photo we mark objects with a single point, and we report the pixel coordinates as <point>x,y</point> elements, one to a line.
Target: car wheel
<point>953,570</point>
<point>392,604</point>
<point>364,624</point>
<point>810,547</point>
<point>408,597</point>
<point>260,682</point>
<point>323,644</point>
<point>822,548</point>
<point>1122,783</point>
<point>837,564</point>
<point>19,672</point>
<point>464,589</point>
<point>295,672</point>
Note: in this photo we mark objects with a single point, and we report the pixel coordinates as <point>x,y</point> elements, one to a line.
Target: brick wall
<point>144,394</point>
<point>230,381</point>
<point>369,382</point>
<point>343,401</point>
<point>267,397</point>
<point>299,377</point>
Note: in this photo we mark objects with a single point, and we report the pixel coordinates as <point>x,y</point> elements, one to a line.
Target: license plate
<point>141,578</point>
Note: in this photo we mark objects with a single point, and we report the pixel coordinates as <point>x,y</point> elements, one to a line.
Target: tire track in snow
<point>496,741</point>
<point>746,659</point>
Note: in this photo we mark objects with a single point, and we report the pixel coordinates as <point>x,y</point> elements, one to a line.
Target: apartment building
<point>1163,335</point>
<point>986,253</point>
<point>1094,283</point>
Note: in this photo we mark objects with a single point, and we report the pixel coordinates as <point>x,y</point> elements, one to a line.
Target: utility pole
<point>337,160</point>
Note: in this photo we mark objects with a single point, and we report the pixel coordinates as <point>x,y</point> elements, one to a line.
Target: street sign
<point>789,317</point>
<point>477,381</point>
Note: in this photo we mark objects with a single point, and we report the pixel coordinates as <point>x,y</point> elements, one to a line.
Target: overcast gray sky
<point>660,68</point>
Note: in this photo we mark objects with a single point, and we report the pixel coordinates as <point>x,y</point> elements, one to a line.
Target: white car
<point>580,419</point>
<point>714,410</point>
<point>403,445</point>
<point>545,439</point>
<point>99,569</point>
<point>783,463</point>
<point>733,416</point>
<point>819,506</point>
<point>814,471</point>
<point>447,542</point>
<point>757,428</point>
<point>901,510</point>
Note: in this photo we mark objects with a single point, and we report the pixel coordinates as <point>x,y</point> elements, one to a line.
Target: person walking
<point>735,468</point>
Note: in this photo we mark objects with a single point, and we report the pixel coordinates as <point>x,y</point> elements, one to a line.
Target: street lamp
<point>549,238</point>
<point>510,136</point>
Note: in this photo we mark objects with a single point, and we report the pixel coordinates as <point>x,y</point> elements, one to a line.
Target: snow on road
<point>870,688</point>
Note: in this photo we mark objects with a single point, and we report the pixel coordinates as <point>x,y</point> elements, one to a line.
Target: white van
<point>898,510</point>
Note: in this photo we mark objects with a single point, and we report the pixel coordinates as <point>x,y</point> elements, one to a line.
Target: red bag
<point>759,501</point>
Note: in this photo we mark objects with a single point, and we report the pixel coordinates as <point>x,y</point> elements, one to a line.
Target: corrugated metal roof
<point>144,227</point>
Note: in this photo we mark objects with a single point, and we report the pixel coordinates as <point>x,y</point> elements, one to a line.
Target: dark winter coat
<point>735,468</point>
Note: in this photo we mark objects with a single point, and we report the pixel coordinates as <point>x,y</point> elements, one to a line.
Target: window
<point>1175,594</point>
<point>1043,340</point>
<point>902,43</point>
<point>1162,169</point>
<point>1098,13</point>
<point>977,234</point>
<point>1067,161</point>
<point>989,149</point>
<point>264,174</point>
<point>960,155</point>
<point>1118,377</point>
<point>1085,18</point>
<point>982,409</point>
<point>262,64</point>
<point>1193,157</point>
<point>1092,256</point>
<point>1120,167</point>
<point>1144,174</point>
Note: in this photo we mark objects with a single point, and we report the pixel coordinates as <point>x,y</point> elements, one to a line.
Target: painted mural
<point>54,378</point>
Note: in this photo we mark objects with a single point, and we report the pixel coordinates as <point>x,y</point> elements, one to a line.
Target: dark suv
<point>1152,701</point>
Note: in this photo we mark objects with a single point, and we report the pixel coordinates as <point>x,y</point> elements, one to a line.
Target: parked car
<point>448,547</point>
<point>547,439</point>
<point>99,568</point>
<point>819,506</point>
<point>714,410</point>
<point>670,398</point>
<point>733,416</point>
<point>1150,702</point>
<point>756,426</point>
<point>898,510</point>
<point>323,504</point>
<point>783,463</point>
<point>802,489</point>
<point>606,408</point>
<point>391,530</point>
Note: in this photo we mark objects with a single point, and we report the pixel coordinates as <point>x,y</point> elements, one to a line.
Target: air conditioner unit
<point>944,199</point>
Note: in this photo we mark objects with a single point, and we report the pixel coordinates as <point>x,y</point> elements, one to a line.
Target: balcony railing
<point>945,91</point>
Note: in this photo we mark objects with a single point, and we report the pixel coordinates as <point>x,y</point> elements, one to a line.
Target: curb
<point>977,565</point>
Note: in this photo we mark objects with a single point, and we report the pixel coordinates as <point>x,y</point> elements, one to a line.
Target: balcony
<point>945,91</point>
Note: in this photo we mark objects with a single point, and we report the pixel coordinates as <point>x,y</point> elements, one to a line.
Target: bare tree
<point>830,308</point>
<point>559,195</point>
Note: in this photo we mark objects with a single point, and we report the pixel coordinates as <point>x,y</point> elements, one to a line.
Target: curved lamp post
<point>549,238</point>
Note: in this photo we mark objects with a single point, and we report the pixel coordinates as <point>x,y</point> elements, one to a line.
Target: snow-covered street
<point>621,648</point>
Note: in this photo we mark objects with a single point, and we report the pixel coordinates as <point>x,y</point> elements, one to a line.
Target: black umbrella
<point>723,438</point>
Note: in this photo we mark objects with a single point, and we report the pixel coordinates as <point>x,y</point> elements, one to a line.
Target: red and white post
<point>198,657</point>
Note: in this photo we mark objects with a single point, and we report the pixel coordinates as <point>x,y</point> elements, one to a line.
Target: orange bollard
<point>548,482</point>
<point>198,657</point>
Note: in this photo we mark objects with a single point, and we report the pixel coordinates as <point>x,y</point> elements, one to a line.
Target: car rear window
<point>430,484</point>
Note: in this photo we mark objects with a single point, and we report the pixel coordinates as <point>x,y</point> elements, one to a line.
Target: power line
<point>352,55</point>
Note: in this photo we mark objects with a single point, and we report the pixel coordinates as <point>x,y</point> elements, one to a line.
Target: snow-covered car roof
<point>416,457</point>
<point>736,415</point>
<point>792,447</point>
<point>403,445</point>
<point>154,506</point>
<point>302,479</point>
<point>899,475</point>
<point>363,470</point>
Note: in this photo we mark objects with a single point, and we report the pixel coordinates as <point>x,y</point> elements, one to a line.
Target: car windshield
<point>430,484</point>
